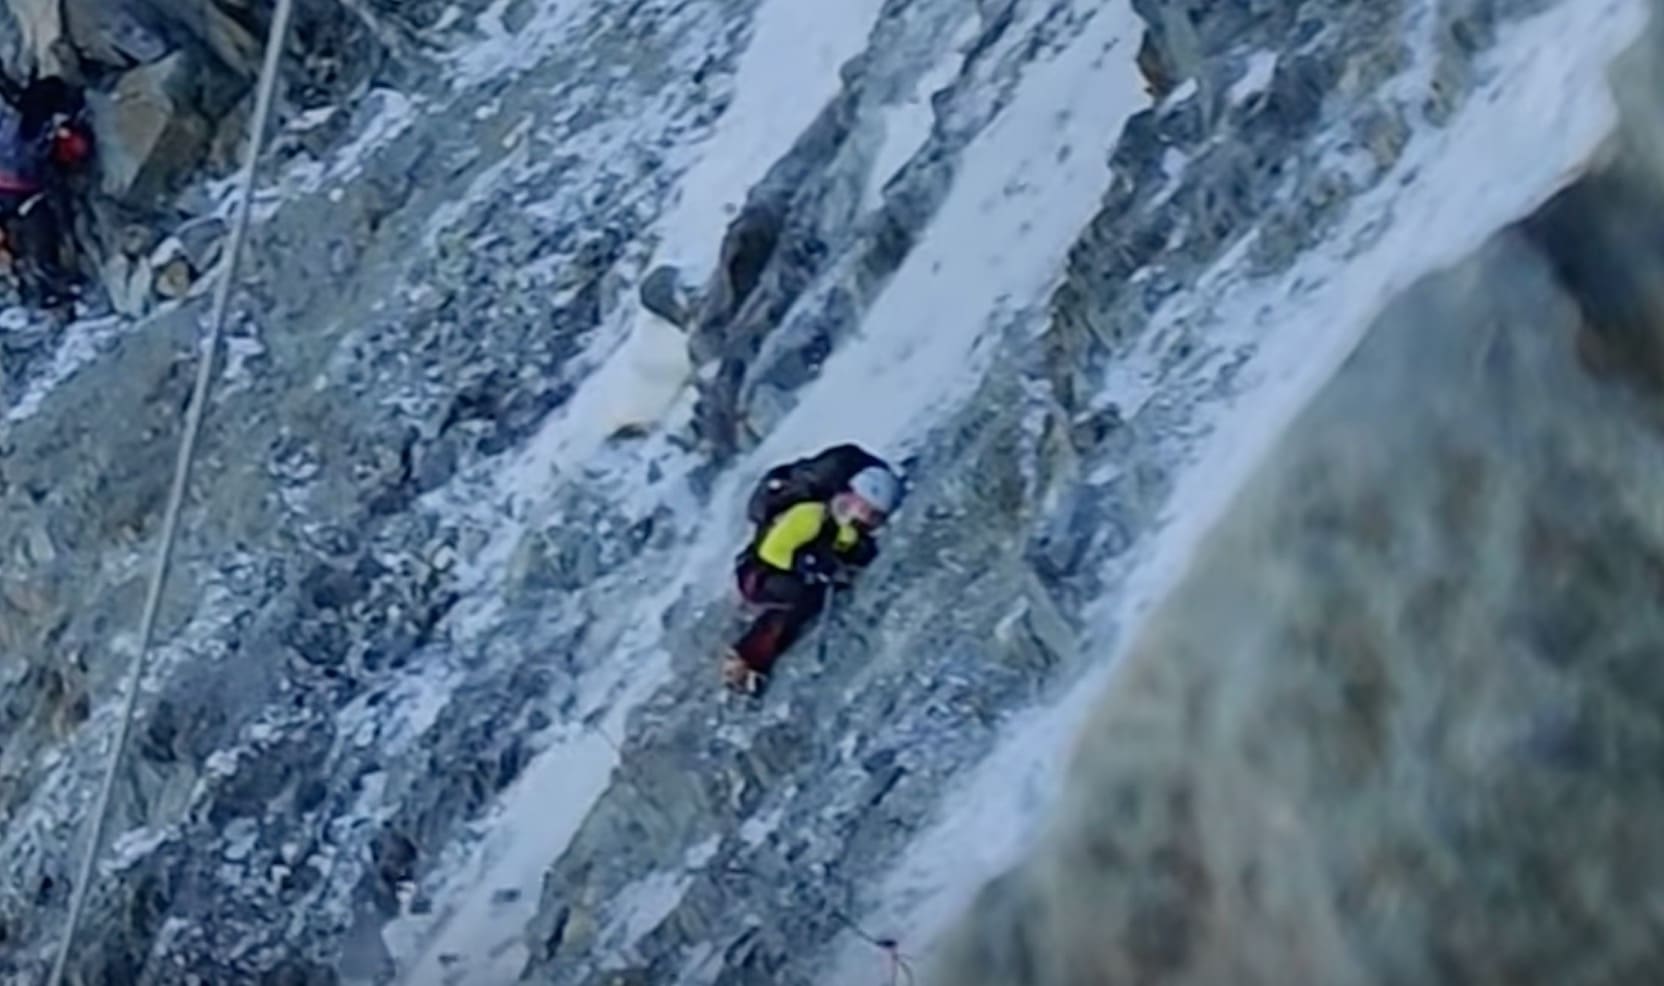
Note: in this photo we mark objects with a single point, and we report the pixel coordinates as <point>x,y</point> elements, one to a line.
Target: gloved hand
<point>811,568</point>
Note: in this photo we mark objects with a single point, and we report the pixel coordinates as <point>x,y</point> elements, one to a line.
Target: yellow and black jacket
<point>806,539</point>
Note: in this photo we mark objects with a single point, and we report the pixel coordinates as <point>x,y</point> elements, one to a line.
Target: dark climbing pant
<point>36,230</point>
<point>789,604</point>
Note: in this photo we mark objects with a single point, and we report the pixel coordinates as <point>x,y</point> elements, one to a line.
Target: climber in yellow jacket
<point>800,553</point>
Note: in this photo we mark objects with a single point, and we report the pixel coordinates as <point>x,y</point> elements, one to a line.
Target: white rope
<point>181,477</point>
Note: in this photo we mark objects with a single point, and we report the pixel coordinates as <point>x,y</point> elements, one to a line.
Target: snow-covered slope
<point>437,702</point>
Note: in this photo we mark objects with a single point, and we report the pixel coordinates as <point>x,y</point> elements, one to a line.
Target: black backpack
<point>818,477</point>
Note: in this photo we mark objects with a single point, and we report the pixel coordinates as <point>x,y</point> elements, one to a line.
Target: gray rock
<point>113,33</point>
<point>202,241</point>
<point>663,294</point>
<point>149,135</point>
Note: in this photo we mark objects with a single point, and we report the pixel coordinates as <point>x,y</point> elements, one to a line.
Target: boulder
<point>663,293</point>
<point>122,33</point>
<point>148,131</point>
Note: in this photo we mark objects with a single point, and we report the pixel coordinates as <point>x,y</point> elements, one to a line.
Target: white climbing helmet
<point>877,486</point>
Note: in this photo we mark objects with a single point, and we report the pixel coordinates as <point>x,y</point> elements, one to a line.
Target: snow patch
<point>1261,66</point>
<point>907,125</point>
<point>501,54</point>
<point>1185,90</point>
<point>385,114</point>
<point>483,185</point>
<point>132,846</point>
<point>477,936</point>
<point>633,389</point>
<point>701,964</point>
<point>81,344</point>
<point>755,831</point>
<point>701,854</point>
<point>536,818</point>
<point>795,51</point>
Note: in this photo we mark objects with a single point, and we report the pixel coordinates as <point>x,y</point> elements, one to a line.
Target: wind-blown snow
<point>1452,189</point>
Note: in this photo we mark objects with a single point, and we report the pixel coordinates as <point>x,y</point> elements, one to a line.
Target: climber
<point>815,520</point>
<point>44,139</point>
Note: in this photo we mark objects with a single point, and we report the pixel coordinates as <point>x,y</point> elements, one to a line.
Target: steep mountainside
<point>535,291</point>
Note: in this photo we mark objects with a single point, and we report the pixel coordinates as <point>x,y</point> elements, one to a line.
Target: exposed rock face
<point>1387,729</point>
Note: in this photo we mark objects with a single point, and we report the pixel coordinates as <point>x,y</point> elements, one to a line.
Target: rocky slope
<point>534,292</point>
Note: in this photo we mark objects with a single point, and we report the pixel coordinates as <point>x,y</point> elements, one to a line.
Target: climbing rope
<point>266,86</point>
